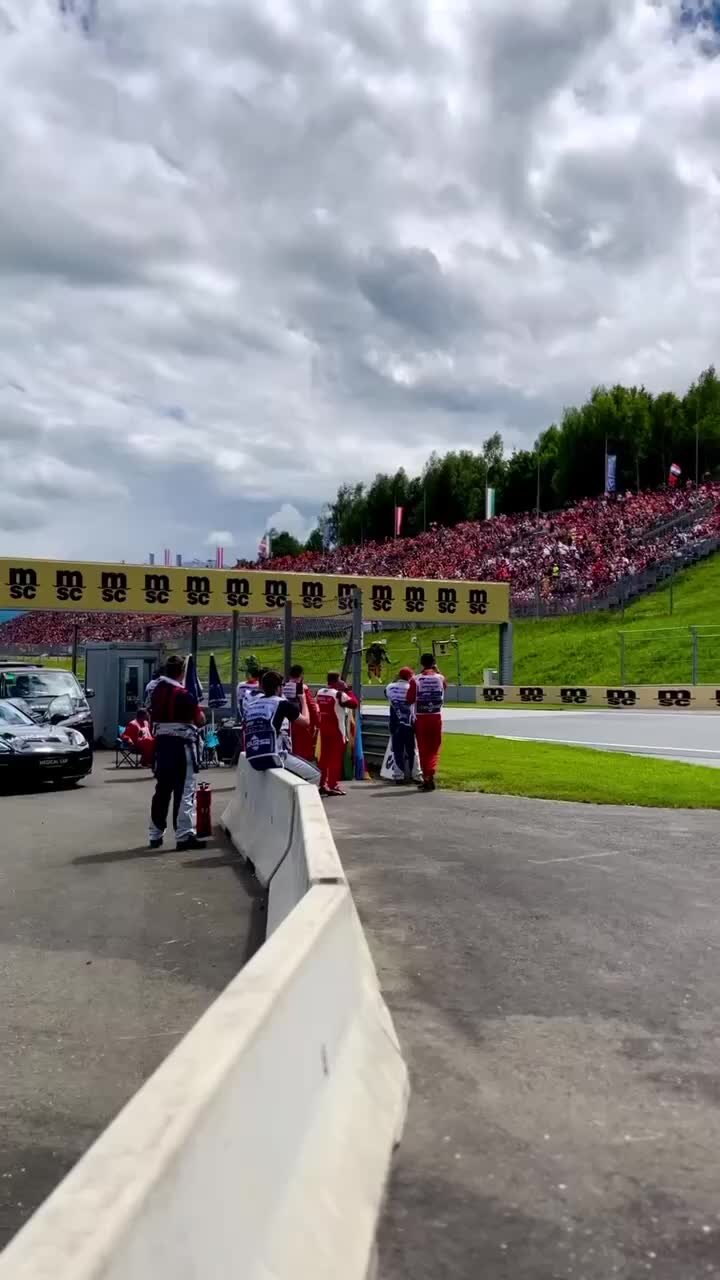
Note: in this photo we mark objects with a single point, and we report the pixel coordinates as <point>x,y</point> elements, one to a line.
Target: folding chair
<point>126,757</point>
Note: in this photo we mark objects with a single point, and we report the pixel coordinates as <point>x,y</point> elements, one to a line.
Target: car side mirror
<point>89,693</point>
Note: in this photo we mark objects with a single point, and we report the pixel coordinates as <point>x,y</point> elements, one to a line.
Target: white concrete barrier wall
<point>259,817</point>
<point>261,1147</point>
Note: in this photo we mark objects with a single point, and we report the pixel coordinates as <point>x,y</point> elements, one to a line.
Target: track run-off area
<point>551,968</point>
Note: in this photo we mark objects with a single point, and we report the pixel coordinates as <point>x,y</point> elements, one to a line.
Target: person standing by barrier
<point>402,729</point>
<point>304,736</point>
<point>267,740</point>
<point>426,693</point>
<point>176,718</point>
<point>332,703</point>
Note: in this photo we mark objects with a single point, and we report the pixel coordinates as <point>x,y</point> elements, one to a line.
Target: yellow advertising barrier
<point>123,588</point>
<point>647,697</point>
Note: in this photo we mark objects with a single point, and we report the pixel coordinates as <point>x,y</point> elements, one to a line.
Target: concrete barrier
<point>262,1145</point>
<point>259,818</point>
<point>311,858</point>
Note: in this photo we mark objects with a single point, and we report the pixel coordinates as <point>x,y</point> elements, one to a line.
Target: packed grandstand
<point>580,552</point>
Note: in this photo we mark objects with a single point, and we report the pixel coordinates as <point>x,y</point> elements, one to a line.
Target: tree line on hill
<point>645,432</point>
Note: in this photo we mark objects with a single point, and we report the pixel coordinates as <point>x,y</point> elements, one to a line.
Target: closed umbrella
<point>216,693</point>
<point>192,683</point>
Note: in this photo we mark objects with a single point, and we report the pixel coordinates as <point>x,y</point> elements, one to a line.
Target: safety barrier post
<point>672,588</point>
<point>621,635</point>
<point>75,649</point>
<point>194,640</point>
<point>288,639</point>
<point>694,634</point>
<point>234,664</point>
<point>357,643</point>
<point>505,655</point>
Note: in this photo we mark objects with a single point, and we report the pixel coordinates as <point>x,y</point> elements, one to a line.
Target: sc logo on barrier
<point>382,597</point>
<point>493,695</point>
<point>447,600</point>
<point>69,585</point>
<point>346,596</point>
<point>576,697</point>
<point>23,584</point>
<point>621,697</point>
<point>276,593</point>
<point>414,599</point>
<point>237,593</point>
<point>477,601</point>
<point>531,694</point>
<point>674,697</point>
<point>157,588</point>
<point>114,587</point>
<point>197,589</point>
<point>313,595</point>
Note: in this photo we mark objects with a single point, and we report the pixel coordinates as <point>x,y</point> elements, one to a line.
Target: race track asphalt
<point>108,954</point>
<point>554,975</point>
<point>690,736</point>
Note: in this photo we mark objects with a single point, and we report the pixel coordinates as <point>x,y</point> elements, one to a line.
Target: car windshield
<point>12,715</point>
<point>38,684</point>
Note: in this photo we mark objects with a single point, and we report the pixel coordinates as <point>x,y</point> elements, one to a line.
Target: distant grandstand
<point>561,561</point>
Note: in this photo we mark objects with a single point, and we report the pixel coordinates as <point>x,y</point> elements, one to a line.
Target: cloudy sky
<point>251,248</point>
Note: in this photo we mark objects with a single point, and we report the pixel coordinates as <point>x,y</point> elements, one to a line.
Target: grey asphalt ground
<point>554,975</point>
<point>108,955</point>
<point>691,736</point>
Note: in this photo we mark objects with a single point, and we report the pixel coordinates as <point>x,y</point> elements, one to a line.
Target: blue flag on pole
<point>611,478</point>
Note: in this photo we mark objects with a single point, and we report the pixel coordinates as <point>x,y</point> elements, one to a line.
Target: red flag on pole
<point>675,474</point>
<point>219,557</point>
<point>399,512</point>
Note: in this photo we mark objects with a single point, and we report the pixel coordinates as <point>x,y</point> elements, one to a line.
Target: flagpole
<point>537,492</point>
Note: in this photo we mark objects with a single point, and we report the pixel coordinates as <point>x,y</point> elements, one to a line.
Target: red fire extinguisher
<point>203,803</point>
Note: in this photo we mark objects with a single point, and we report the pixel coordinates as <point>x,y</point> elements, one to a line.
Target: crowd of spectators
<point>582,552</point>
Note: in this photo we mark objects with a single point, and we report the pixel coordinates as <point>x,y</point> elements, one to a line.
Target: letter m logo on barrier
<point>276,593</point>
<point>346,596</point>
<point>197,585</point>
<point>414,599</point>
<point>22,584</point>
<point>313,594</point>
<point>157,582</point>
<point>113,581</point>
<point>447,600</point>
<point>382,597</point>
<point>69,580</point>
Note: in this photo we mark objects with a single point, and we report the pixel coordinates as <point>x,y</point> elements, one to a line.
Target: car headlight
<point>76,738</point>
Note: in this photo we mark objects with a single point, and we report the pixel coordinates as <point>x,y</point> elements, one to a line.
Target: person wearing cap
<point>402,729</point>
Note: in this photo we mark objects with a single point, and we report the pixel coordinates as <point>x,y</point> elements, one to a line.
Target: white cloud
<point>287,519</point>
<point>219,538</point>
<point>250,251</point>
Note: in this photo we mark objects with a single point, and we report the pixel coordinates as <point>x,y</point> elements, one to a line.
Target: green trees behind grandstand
<point>646,432</point>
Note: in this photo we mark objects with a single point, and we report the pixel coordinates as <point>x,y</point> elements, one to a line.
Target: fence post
<point>194,640</point>
<point>537,597</point>
<point>75,650</point>
<point>694,633</point>
<point>357,644</point>
<point>287,639</point>
<point>234,664</point>
<point>505,653</point>
<point>622,656</point>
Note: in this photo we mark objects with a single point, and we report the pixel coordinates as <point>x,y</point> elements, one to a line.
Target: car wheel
<point>67,784</point>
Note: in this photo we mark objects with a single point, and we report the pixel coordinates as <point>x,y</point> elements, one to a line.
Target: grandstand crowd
<point>579,552</point>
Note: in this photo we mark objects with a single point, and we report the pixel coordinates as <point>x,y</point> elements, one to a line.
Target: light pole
<point>697,448</point>
<point>537,492</point>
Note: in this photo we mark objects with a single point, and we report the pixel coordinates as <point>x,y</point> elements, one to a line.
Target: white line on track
<point>580,857</point>
<point>609,746</point>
